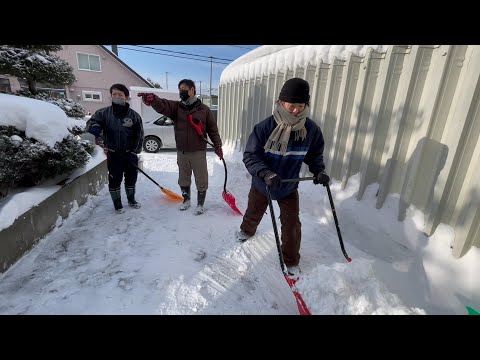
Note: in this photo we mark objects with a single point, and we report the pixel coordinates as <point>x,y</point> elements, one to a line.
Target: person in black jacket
<point>122,131</point>
<point>276,149</point>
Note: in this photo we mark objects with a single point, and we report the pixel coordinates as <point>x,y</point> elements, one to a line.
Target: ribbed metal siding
<point>407,119</point>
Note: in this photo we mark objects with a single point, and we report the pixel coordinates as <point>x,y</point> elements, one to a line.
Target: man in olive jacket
<point>191,148</point>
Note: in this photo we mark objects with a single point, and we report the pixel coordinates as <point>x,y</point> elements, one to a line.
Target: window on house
<point>88,62</point>
<point>44,87</point>
<point>5,86</point>
<point>92,96</point>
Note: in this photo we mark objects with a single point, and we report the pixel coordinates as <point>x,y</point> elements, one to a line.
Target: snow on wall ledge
<point>404,117</point>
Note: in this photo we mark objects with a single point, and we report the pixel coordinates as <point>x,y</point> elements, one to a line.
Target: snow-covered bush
<point>25,161</point>
<point>71,108</point>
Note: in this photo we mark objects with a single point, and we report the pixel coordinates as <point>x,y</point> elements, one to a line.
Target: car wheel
<point>152,144</point>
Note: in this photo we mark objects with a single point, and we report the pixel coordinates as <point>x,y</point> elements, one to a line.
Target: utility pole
<point>211,60</point>
<point>166,79</point>
<point>115,49</point>
<point>200,81</point>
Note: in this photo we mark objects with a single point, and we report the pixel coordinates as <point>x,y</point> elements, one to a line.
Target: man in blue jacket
<point>122,130</point>
<point>276,149</point>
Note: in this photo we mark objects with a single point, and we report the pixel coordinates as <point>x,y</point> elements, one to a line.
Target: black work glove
<point>321,178</point>
<point>272,179</point>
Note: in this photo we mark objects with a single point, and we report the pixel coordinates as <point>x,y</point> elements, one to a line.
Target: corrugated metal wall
<point>407,119</point>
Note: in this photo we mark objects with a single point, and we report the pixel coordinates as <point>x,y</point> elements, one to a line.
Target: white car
<point>158,133</point>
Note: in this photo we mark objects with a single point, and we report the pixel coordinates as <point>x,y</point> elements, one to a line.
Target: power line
<point>177,56</point>
<point>242,47</point>
<point>180,52</point>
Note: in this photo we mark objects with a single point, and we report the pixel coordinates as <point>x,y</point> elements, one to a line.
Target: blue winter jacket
<point>287,166</point>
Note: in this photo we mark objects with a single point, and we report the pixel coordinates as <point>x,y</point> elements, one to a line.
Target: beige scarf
<point>286,123</point>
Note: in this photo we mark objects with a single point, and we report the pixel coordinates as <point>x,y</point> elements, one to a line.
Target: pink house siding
<point>111,72</point>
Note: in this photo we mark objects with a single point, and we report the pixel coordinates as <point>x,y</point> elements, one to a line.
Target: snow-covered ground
<point>158,260</point>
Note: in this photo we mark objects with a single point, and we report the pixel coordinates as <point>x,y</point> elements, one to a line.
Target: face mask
<point>118,101</point>
<point>184,95</point>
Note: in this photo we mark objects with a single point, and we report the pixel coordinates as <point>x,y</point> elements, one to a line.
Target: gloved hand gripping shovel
<point>349,259</point>
<point>227,196</point>
<point>302,307</point>
<point>167,192</point>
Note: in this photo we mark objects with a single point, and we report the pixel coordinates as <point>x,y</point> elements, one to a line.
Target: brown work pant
<point>289,218</point>
<point>196,161</point>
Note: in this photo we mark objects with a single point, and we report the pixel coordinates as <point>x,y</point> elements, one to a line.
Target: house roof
<point>128,67</point>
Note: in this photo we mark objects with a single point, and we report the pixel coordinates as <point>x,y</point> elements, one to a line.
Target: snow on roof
<point>270,59</point>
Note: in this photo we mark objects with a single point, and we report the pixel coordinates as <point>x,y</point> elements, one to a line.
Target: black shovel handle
<point>336,224</point>
<point>224,164</point>
<point>143,172</point>
<point>199,131</point>
<point>333,211</point>
<point>298,179</point>
<point>275,231</point>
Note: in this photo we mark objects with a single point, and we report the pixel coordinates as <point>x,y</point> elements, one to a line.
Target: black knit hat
<point>295,90</point>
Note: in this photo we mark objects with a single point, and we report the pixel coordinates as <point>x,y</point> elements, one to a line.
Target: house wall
<point>111,72</point>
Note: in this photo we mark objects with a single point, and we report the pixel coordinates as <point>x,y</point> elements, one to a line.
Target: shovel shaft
<point>143,172</point>
<point>333,211</point>
<point>298,179</point>
<point>224,164</point>
<point>229,199</point>
<point>275,231</point>
<point>336,224</point>
<point>302,307</point>
<point>165,191</point>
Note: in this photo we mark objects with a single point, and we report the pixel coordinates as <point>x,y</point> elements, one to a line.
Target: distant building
<point>206,100</point>
<point>95,67</point>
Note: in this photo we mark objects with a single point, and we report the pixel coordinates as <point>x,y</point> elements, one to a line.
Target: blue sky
<point>168,64</point>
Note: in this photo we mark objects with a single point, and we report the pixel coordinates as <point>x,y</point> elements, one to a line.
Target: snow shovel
<point>227,196</point>
<point>472,311</point>
<point>167,192</point>
<point>349,259</point>
<point>302,307</point>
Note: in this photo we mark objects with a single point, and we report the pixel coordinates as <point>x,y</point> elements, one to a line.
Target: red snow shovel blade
<point>230,200</point>
<point>302,307</point>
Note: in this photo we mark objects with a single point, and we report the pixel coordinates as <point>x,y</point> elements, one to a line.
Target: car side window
<point>159,121</point>
<point>163,121</point>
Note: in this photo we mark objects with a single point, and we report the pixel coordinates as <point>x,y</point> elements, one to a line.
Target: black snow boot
<point>130,190</point>
<point>117,200</point>
<point>186,198</point>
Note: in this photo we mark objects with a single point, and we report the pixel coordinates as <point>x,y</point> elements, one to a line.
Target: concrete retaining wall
<point>40,220</point>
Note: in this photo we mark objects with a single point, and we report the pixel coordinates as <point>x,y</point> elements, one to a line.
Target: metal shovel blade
<point>230,200</point>
<point>302,307</point>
